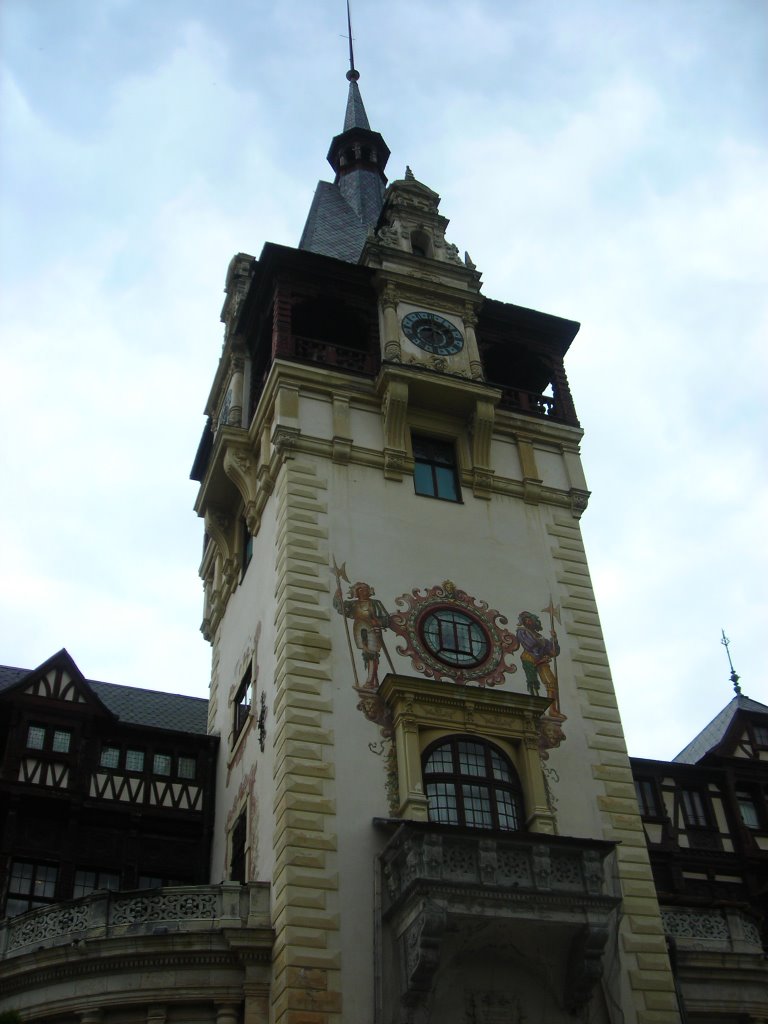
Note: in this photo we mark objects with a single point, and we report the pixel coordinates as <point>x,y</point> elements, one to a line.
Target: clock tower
<point>421,751</point>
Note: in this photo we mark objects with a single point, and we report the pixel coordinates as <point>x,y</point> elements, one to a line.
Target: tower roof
<point>355,116</point>
<point>714,733</point>
<point>342,213</point>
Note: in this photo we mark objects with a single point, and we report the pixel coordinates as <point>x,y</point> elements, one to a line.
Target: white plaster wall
<point>499,551</point>
<point>251,605</point>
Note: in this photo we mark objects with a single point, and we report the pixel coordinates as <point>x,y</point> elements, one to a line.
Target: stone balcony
<point>453,897</point>
<point>170,946</point>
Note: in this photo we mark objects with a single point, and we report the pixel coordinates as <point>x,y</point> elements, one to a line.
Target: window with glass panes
<point>748,808</point>
<point>30,885</point>
<point>90,881</point>
<point>434,470</point>
<point>647,797</point>
<point>694,808</point>
<point>472,783</point>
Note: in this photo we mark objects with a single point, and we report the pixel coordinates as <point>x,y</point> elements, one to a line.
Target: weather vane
<point>734,678</point>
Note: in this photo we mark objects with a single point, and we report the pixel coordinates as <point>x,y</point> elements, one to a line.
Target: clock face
<point>432,333</point>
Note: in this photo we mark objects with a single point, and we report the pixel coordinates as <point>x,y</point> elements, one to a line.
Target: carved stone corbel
<point>220,527</point>
<point>395,411</point>
<point>240,466</point>
<point>482,433</point>
<point>585,966</point>
<point>420,945</point>
<point>579,501</point>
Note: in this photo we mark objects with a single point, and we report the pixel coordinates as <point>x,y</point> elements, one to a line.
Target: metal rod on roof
<point>734,678</point>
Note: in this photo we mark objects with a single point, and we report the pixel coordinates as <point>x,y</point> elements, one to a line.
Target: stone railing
<point>104,915</point>
<point>334,356</point>
<point>543,891</point>
<point>722,931</point>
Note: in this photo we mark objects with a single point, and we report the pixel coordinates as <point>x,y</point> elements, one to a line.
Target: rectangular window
<point>31,885</point>
<point>760,733</point>
<point>110,757</point>
<point>434,471</point>
<point>161,764</point>
<point>747,809</point>
<point>247,541</point>
<point>694,808</point>
<point>237,859</point>
<point>243,699</point>
<point>36,737</point>
<point>187,767</point>
<point>134,760</point>
<point>647,798</point>
<point>61,740</point>
<point>87,882</point>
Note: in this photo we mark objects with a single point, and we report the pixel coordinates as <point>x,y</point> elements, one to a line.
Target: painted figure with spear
<point>369,619</point>
<point>539,657</point>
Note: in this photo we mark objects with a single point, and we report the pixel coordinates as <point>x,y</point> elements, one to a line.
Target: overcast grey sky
<point>605,161</point>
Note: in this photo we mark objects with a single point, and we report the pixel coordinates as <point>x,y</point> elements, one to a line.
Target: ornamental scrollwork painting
<point>449,636</point>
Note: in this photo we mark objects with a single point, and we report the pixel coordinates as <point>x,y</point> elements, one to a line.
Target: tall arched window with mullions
<point>470,782</point>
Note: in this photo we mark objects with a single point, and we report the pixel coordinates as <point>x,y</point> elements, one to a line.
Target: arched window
<point>470,782</point>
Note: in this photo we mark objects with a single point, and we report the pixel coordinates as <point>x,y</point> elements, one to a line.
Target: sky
<point>603,161</point>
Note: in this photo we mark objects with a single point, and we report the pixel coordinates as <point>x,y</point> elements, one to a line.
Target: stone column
<point>470,338</point>
<point>392,350</point>
<point>235,416</point>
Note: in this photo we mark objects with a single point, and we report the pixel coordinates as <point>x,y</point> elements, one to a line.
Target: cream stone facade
<point>333,382</point>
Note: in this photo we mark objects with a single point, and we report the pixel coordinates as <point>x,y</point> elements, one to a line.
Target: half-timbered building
<point>705,816</point>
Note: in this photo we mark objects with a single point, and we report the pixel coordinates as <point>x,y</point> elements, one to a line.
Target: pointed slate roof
<point>713,734</point>
<point>342,213</point>
<point>355,116</point>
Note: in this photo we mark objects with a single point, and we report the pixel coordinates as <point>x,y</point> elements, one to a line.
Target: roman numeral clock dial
<point>432,333</point>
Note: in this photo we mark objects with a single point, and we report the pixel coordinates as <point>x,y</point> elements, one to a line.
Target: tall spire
<point>341,214</point>
<point>355,116</point>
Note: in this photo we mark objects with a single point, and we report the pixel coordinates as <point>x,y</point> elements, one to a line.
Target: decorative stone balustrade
<point>156,912</point>
<point>708,929</point>
<point>529,890</point>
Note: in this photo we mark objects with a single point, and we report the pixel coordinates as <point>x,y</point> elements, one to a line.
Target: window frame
<point>696,818</point>
<point>648,799</point>
<point>426,454</point>
<point>241,708</point>
<point>32,901</point>
<point>420,709</point>
<point>460,782</point>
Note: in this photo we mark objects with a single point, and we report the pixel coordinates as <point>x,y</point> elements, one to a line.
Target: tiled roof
<point>713,733</point>
<point>333,228</point>
<point>135,706</point>
<point>10,675</point>
<point>355,116</point>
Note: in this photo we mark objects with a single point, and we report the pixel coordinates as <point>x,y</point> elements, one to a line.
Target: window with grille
<point>647,798</point>
<point>87,882</point>
<point>434,471</point>
<point>470,782</point>
<point>31,885</point>
<point>694,806</point>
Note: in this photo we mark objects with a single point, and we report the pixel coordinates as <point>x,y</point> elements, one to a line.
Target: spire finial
<point>734,678</point>
<point>353,74</point>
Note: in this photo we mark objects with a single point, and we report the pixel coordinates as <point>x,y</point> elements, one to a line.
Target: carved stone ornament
<point>445,608</point>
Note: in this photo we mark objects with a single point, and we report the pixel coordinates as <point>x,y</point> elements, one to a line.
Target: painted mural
<point>448,635</point>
